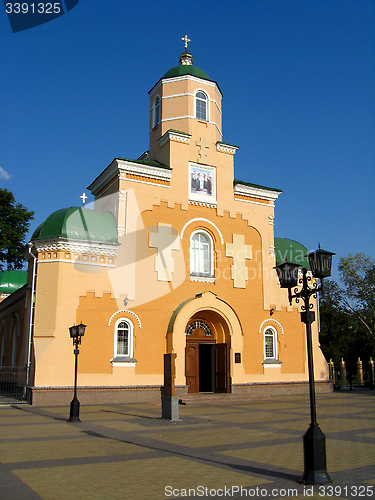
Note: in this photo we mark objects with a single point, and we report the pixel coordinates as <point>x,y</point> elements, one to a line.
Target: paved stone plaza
<point>128,452</point>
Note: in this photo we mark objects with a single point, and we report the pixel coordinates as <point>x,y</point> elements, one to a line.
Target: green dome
<point>10,281</point>
<point>79,224</point>
<point>292,251</point>
<point>186,69</point>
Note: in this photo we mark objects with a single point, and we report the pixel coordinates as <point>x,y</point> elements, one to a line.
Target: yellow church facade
<point>177,257</point>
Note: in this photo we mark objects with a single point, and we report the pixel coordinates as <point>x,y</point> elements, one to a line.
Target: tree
<point>14,225</point>
<point>347,313</point>
<point>357,273</point>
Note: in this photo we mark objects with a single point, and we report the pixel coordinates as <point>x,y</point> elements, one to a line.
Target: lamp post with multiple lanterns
<point>314,444</point>
<point>76,332</point>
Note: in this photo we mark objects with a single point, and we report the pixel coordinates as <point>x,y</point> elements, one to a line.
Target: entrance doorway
<point>206,360</point>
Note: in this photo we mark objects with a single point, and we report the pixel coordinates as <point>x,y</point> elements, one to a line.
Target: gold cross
<point>202,152</point>
<point>186,40</point>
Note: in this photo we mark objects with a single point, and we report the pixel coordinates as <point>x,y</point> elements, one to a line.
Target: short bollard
<point>359,372</point>
<point>169,401</point>
<point>331,365</point>
<point>371,372</point>
<point>342,371</point>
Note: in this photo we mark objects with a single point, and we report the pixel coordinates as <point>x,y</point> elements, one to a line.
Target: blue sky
<point>298,78</point>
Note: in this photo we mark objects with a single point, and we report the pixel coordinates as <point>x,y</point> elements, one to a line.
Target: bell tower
<point>184,101</point>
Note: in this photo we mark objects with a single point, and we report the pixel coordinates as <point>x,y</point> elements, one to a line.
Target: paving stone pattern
<point>128,452</point>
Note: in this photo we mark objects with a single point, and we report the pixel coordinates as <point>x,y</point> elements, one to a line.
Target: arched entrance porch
<point>219,347</point>
<point>207,353</point>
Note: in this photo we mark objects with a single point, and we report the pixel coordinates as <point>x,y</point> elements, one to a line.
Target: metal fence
<point>13,385</point>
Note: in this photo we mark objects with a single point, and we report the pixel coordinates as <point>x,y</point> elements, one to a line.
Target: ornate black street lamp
<point>76,332</point>
<point>314,441</point>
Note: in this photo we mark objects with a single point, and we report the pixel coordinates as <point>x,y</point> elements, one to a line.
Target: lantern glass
<point>81,329</point>
<point>321,263</point>
<point>73,330</point>
<point>288,274</point>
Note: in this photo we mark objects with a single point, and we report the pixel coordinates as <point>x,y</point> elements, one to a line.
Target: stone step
<point>219,398</point>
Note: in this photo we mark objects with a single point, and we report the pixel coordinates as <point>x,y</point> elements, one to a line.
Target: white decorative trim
<point>257,192</point>
<point>174,136</point>
<point>80,262</point>
<point>272,321</point>
<point>271,365</point>
<point>192,95</point>
<point>201,204</point>
<point>226,148</point>
<point>193,118</point>
<point>202,279</point>
<point>122,364</point>
<point>262,204</point>
<point>203,220</point>
<point>145,171</point>
<point>209,83</point>
<point>77,246</point>
<point>125,311</point>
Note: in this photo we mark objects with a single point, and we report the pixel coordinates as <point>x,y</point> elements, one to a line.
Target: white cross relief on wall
<point>202,152</point>
<point>239,252</point>
<point>165,240</point>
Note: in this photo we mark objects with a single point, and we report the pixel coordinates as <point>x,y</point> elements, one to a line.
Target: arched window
<point>270,343</point>
<point>156,111</point>
<point>201,110</point>
<point>201,254</point>
<point>124,339</point>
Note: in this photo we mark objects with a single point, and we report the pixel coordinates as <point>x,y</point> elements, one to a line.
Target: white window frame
<point>126,359</point>
<point>155,120</point>
<point>207,100</point>
<point>210,272</point>
<point>274,345</point>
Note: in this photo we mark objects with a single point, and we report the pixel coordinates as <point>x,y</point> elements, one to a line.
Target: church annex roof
<point>78,223</point>
<point>250,184</point>
<point>11,281</point>
<point>291,251</point>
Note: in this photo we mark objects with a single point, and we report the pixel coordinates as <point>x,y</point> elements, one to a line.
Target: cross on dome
<point>186,40</point>
<point>84,198</point>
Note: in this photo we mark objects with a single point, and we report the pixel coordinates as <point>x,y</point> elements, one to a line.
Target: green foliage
<point>14,225</point>
<point>347,313</point>
<point>357,273</point>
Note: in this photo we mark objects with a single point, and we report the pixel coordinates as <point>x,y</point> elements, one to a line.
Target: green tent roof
<point>292,251</point>
<point>186,69</point>
<point>10,281</point>
<point>80,224</point>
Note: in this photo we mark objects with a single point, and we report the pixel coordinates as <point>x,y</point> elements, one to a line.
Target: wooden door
<point>192,367</point>
<point>222,368</point>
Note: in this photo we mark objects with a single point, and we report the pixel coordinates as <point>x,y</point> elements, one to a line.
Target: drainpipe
<point>31,316</point>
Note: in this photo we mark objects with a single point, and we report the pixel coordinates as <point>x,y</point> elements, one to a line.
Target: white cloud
<point>4,174</point>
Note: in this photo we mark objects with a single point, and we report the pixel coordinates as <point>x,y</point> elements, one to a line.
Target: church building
<point>177,257</point>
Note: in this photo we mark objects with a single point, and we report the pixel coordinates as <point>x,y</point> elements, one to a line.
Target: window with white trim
<point>123,339</point>
<point>156,112</point>
<point>201,108</point>
<point>270,343</point>
<point>201,254</point>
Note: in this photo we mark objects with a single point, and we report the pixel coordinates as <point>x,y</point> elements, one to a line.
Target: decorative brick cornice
<point>256,192</point>
<point>77,246</point>
<point>222,147</point>
<point>174,135</point>
<point>145,171</point>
